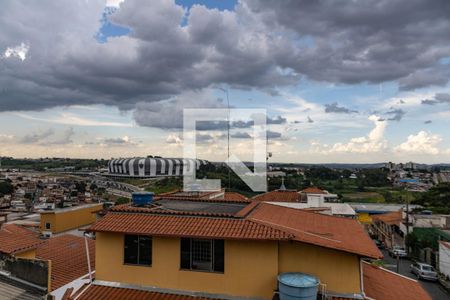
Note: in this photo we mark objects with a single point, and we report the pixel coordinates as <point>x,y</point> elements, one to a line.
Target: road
<point>436,291</point>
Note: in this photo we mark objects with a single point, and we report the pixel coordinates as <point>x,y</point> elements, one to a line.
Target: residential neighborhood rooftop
<point>15,238</point>
<point>380,283</point>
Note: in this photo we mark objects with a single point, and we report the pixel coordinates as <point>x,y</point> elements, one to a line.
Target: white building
<point>444,258</point>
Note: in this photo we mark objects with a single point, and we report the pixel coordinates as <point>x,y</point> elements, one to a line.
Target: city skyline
<point>107,82</point>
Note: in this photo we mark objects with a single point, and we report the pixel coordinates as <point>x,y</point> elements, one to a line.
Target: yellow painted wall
<point>26,254</point>
<point>364,218</point>
<point>70,219</point>
<point>250,267</point>
<point>338,270</point>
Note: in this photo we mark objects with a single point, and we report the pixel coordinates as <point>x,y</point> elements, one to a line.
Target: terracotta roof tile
<point>327,231</point>
<point>187,226</point>
<point>313,190</point>
<point>68,255</point>
<point>391,218</point>
<point>159,210</point>
<point>236,197</point>
<point>380,283</point>
<point>278,196</point>
<point>247,209</point>
<point>199,199</point>
<point>99,292</point>
<point>16,239</point>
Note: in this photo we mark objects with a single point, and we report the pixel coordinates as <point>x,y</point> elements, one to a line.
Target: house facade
<point>230,255</point>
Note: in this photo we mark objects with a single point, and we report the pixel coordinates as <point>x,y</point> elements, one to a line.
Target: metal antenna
<point>228,133</point>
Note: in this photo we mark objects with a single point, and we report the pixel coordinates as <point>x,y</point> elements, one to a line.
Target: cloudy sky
<point>342,81</point>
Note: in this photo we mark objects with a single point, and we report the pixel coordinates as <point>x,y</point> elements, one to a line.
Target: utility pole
<point>228,133</point>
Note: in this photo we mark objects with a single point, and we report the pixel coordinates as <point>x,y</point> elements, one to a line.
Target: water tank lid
<point>143,193</point>
<point>300,280</point>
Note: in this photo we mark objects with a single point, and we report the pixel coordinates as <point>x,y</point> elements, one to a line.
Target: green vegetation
<point>167,184</point>
<point>43,164</point>
<point>437,199</point>
<point>122,200</point>
<point>6,188</point>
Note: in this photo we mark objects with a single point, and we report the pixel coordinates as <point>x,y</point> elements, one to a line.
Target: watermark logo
<point>257,118</point>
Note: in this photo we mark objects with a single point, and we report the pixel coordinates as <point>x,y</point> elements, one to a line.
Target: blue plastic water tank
<point>297,286</point>
<point>142,198</point>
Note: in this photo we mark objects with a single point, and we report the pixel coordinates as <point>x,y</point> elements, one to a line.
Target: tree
<point>6,188</point>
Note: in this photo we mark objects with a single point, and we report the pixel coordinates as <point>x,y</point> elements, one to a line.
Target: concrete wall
<point>30,270</point>
<point>251,268</point>
<point>69,219</point>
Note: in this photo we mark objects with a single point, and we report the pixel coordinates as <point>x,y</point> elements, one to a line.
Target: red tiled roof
<point>233,196</point>
<point>247,209</point>
<point>99,292</point>
<point>199,199</point>
<point>278,196</point>
<point>327,231</point>
<point>391,218</point>
<point>155,209</point>
<point>187,226</point>
<point>380,283</point>
<point>68,255</point>
<point>313,190</point>
<point>16,239</point>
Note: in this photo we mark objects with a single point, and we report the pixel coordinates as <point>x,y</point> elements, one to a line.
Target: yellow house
<point>229,255</point>
<point>60,220</point>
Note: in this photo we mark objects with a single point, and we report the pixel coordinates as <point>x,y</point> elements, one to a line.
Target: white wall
<point>444,259</point>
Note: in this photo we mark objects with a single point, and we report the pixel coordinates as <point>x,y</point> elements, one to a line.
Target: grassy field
<point>372,197</point>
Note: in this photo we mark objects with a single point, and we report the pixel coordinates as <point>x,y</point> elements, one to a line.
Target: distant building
<point>64,219</point>
<point>147,167</point>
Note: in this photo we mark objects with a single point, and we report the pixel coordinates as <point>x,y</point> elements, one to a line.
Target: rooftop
<point>68,255</point>
<point>278,196</point>
<point>383,284</point>
<point>97,292</point>
<point>187,226</point>
<point>72,208</point>
<point>11,289</point>
<point>313,190</point>
<point>256,221</point>
<point>16,239</point>
<point>313,228</point>
<point>342,209</point>
<point>391,218</point>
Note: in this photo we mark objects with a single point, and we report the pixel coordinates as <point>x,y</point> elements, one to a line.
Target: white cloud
<point>19,51</point>
<point>373,142</point>
<point>71,119</point>
<point>423,143</point>
<point>174,139</point>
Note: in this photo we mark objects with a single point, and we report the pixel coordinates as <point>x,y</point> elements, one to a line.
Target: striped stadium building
<point>144,167</point>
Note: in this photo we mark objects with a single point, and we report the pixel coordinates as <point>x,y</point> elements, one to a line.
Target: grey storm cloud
<point>439,98</point>
<point>241,135</point>
<point>171,52</point>
<point>37,137</point>
<point>335,108</point>
<point>395,114</point>
<point>273,134</point>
